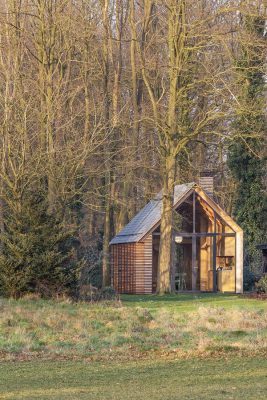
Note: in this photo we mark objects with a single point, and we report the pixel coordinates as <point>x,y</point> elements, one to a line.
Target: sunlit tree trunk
<point>108,172</point>
<point>165,249</point>
<point>45,42</point>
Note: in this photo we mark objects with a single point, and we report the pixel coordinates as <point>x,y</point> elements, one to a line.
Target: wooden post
<point>214,254</point>
<point>194,264</point>
<point>194,246</point>
<point>194,212</point>
<point>173,263</point>
<point>239,262</point>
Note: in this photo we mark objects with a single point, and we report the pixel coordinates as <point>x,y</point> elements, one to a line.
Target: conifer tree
<point>37,251</point>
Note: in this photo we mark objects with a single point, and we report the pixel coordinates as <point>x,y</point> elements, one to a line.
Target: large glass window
<point>183,264</point>
<point>183,218</point>
<point>204,248</point>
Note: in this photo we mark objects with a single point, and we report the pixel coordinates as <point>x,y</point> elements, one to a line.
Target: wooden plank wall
<point>144,266</point>
<point>155,260</point>
<point>148,248</point>
<point>131,267</point>
<point>139,268</point>
<point>123,267</point>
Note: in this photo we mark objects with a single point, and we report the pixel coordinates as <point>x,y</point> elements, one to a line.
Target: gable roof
<point>226,218</point>
<point>148,217</point>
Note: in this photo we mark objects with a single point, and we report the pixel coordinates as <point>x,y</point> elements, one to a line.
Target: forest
<point>103,104</point>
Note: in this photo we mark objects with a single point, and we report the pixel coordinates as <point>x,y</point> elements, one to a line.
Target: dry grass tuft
<point>56,329</point>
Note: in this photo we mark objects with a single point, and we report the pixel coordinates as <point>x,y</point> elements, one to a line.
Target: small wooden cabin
<point>207,246</point>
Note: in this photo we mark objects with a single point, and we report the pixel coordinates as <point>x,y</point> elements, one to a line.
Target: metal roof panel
<point>147,217</point>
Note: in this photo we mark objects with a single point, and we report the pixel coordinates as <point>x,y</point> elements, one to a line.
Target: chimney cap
<point>206,173</point>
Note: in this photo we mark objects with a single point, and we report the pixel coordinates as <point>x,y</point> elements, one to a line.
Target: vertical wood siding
<point>148,264</point>
<point>139,268</point>
<point>123,267</point>
<point>131,267</point>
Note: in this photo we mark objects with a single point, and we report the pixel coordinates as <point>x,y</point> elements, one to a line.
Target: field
<point>235,379</point>
<point>194,346</point>
<point>135,327</point>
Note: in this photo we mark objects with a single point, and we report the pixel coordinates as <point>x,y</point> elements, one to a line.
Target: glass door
<point>183,264</point>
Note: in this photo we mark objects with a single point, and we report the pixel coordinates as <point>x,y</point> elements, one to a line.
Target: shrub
<point>249,279</point>
<point>108,293</point>
<point>91,293</point>
<point>262,284</point>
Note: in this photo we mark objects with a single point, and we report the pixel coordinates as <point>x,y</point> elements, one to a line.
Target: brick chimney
<point>206,181</point>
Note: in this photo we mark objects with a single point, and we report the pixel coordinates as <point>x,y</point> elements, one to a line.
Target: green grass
<point>180,379</point>
<point>137,327</point>
<point>201,346</point>
<point>190,302</point>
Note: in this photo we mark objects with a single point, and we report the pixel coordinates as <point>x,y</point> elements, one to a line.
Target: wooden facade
<point>131,267</point>
<point>208,248</point>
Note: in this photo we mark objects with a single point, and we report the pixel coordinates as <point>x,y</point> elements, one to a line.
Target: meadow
<point>134,327</point>
<point>206,346</point>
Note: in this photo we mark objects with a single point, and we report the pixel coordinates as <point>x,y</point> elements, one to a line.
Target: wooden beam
<point>239,262</point>
<point>225,217</point>
<point>194,263</point>
<point>214,254</point>
<point>194,212</point>
<point>173,266</point>
<point>200,234</point>
<point>207,209</point>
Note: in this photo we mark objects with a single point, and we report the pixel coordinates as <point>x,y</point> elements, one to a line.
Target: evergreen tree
<point>37,252</point>
<point>247,161</point>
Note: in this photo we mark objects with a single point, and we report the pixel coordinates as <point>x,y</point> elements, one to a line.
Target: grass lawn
<point>183,325</point>
<point>201,346</point>
<point>186,302</point>
<point>235,379</point>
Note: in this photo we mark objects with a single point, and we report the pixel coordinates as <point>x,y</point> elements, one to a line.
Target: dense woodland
<point>104,103</point>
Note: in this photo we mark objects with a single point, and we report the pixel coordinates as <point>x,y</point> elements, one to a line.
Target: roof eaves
<point>223,214</point>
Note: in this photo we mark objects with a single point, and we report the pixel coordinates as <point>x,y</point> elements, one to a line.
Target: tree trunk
<point>107,53</point>
<point>122,219</point>
<point>165,249</point>
<point>1,222</point>
<point>106,259</point>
